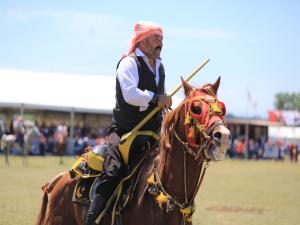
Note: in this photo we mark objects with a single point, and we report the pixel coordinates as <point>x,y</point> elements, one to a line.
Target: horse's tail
<point>47,188</point>
<point>42,213</point>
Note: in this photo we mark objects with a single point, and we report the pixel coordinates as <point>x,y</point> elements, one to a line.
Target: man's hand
<point>164,101</point>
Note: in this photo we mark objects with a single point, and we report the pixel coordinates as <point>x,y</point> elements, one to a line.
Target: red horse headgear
<point>201,112</point>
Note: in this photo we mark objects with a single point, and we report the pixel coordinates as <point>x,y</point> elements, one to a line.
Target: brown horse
<point>192,135</point>
<point>61,136</point>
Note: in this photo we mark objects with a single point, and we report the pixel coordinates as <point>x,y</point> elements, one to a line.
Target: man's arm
<point>127,74</point>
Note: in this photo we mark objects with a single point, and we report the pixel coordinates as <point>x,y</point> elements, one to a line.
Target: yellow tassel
<point>161,198</point>
<point>186,211</point>
<point>187,119</point>
<point>151,179</point>
<point>192,132</point>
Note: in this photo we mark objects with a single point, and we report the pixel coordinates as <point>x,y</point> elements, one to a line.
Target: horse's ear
<point>186,86</point>
<point>216,85</point>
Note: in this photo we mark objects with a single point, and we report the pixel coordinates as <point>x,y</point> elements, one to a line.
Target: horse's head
<point>204,120</point>
<point>199,122</point>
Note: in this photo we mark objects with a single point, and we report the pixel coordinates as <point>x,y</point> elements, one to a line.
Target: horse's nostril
<point>217,135</point>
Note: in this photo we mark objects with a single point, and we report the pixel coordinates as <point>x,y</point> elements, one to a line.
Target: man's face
<point>152,45</point>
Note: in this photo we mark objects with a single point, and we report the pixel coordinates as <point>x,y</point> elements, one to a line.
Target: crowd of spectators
<point>272,149</point>
<point>50,136</point>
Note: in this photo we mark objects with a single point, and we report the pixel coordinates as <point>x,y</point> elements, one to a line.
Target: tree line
<point>287,101</point>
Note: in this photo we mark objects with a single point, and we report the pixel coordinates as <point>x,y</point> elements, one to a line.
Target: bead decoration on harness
<point>162,197</point>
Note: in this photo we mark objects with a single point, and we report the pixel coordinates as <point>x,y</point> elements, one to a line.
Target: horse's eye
<point>195,108</point>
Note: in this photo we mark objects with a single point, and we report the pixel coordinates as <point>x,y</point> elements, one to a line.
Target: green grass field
<point>233,192</point>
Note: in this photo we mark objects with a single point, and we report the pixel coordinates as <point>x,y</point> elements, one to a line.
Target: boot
<point>97,205</point>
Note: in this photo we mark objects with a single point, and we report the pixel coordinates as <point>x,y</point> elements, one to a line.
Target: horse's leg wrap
<point>97,205</point>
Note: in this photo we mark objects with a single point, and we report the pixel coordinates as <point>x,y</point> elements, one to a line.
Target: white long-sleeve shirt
<point>127,74</point>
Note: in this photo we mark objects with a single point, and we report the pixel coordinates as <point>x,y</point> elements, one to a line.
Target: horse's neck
<point>172,168</point>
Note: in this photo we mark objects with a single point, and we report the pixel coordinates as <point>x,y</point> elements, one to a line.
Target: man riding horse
<point>140,87</point>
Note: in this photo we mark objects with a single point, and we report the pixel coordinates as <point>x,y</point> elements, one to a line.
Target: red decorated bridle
<point>202,113</point>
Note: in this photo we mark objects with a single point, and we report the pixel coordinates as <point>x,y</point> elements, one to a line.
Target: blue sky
<point>253,45</point>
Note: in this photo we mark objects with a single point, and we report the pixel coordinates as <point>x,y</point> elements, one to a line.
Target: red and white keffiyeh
<point>143,30</point>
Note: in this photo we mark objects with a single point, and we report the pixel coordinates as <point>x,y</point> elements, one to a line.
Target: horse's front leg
<point>6,152</point>
<point>25,152</point>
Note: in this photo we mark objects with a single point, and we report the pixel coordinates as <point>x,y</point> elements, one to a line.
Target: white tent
<point>57,91</point>
<point>284,132</point>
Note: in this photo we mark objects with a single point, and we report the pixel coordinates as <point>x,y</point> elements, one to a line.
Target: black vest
<point>126,116</point>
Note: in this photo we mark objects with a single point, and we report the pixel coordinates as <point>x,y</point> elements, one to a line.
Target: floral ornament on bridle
<point>202,113</point>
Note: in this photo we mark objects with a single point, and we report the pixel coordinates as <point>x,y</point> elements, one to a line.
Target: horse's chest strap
<point>162,197</point>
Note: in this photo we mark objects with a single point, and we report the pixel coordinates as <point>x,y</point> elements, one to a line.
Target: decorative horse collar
<point>156,189</point>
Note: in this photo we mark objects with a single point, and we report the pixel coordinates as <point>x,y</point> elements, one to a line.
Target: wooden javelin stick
<point>155,110</point>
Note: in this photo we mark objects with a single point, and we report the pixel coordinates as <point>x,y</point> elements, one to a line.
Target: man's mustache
<point>158,48</point>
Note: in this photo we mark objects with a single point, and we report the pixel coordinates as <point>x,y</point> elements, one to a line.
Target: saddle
<point>89,166</point>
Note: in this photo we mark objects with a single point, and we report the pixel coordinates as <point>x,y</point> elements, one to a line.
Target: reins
<point>187,208</point>
<point>156,188</point>
<point>189,150</point>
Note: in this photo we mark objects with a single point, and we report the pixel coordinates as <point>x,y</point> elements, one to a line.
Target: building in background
<point>52,99</point>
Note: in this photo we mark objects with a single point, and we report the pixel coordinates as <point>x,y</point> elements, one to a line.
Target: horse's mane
<point>170,121</point>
